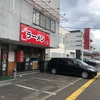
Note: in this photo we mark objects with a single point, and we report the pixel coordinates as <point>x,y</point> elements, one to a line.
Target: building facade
<point>27,28</point>
<point>76,41</point>
<point>62,50</point>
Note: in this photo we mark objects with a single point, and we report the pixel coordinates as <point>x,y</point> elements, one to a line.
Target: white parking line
<point>29,88</point>
<point>5,84</point>
<point>27,74</point>
<point>46,97</point>
<point>43,79</point>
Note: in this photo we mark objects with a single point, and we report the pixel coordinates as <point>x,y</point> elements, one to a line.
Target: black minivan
<point>71,66</point>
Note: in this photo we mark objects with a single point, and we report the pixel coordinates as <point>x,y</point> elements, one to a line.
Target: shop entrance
<point>4,60</point>
<point>31,56</point>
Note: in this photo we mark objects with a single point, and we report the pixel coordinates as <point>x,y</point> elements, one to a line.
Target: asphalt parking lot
<point>37,86</point>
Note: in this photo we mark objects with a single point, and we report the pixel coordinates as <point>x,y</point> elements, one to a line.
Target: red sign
<point>86,38</point>
<point>20,56</point>
<point>32,35</point>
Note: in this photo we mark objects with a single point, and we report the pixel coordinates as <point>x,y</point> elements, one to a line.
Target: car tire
<point>53,71</point>
<point>85,75</point>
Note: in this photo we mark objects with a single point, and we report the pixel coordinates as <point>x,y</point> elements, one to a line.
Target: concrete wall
<point>14,12</point>
<point>54,37</point>
<point>9,20</point>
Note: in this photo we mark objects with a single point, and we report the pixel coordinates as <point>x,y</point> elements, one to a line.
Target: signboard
<point>86,38</point>
<point>34,36</point>
<point>11,57</point>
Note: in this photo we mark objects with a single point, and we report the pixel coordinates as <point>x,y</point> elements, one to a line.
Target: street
<point>43,86</point>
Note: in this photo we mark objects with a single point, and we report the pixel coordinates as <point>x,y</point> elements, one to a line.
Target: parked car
<point>71,67</point>
<point>90,62</point>
<point>97,61</point>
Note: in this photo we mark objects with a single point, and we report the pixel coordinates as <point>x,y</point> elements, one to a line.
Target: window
<point>79,36</point>
<point>62,39</point>
<point>36,17</point>
<point>78,45</point>
<point>70,61</point>
<point>78,40</point>
<point>62,61</point>
<point>52,25</point>
<point>54,54</point>
<point>59,39</point>
<point>48,27</point>
<point>63,55</point>
<point>42,20</point>
<point>58,54</point>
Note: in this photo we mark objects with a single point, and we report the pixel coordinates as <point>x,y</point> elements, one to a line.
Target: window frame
<point>48,23</point>
<point>35,12</point>
<point>53,25</point>
<point>42,19</point>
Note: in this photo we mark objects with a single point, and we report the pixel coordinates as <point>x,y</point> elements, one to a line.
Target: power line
<point>78,27</point>
<point>73,21</point>
<point>58,14</point>
<point>82,21</point>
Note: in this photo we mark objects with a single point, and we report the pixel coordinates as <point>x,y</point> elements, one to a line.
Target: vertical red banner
<point>87,38</point>
<point>20,56</point>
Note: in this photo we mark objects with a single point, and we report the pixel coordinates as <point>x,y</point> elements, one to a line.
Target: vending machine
<point>27,64</point>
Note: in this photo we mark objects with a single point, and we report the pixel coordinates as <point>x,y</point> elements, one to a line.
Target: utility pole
<point>82,47</point>
<point>65,43</point>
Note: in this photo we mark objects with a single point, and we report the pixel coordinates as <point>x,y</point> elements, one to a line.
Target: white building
<point>71,44</point>
<point>75,41</point>
<point>62,50</point>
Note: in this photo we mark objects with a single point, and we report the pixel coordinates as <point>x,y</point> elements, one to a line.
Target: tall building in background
<point>81,42</point>
<point>27,28</point>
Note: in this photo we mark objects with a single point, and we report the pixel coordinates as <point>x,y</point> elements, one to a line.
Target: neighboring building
<point>27,28</point>
<point>62,50</point>
<point>75,42</point>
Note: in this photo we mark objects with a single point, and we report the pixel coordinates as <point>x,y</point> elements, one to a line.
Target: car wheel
<point>85,75</point>
<point>53,71</point>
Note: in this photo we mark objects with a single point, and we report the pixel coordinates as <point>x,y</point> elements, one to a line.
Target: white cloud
<point>83,10</point>
<point>96,34</point>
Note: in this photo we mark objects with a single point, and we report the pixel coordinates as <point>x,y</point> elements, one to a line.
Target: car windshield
<point>80,62</point>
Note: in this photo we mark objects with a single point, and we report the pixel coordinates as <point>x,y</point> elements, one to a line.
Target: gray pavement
<point>43,86</point>
<point>35,86</point>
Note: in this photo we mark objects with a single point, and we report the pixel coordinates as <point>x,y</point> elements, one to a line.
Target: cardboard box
<point>35,65</point>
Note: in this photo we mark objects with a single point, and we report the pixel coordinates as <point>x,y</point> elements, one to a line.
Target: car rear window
<point>53,60</point>
<point>70,61</point>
